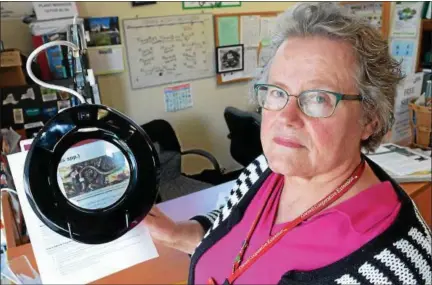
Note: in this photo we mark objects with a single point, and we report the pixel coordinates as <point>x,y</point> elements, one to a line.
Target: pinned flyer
<point>48,94</point>
<point>18,116</point>
<point>28,95</point>
<point>10,100</point>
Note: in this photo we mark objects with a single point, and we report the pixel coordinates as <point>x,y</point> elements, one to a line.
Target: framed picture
<point>103,31</point>
<point>229,58</point>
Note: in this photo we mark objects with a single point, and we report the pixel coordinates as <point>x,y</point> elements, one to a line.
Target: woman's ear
<point>369,128</point>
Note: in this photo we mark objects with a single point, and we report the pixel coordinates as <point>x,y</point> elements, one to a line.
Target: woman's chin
<point>287,165</point>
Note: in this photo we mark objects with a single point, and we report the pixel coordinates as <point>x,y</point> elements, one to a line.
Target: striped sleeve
<point>207,220</point>
<point>244,182</point>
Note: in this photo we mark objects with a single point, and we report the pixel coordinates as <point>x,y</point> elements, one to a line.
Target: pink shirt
<point>323,239</point>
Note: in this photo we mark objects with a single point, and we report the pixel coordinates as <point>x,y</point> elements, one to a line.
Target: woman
<point>313,209</point>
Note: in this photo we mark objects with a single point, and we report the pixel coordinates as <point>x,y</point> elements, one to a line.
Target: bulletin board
<point>169,49</point>
<point>253,30</point>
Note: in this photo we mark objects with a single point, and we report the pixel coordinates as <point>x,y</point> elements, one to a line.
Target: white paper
<point>106,60</point>
<point>63,261</point>
<point>55,10</point>
<point>406,19</point>
<point>15,10</point>
<point>229,76</point>
<point>267,28</point>
<point>250,62</point>
<point>400,161</point>
<point>250,31</point>
<point>409,89</point>
<point>264,56</point>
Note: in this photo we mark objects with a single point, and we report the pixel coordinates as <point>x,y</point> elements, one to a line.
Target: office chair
<point>173,182</point>
<point>244,133</point>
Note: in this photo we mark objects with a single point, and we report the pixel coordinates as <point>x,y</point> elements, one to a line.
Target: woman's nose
<point>291,113</point>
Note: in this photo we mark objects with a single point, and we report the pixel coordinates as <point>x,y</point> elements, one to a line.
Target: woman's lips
<point>287,142</point>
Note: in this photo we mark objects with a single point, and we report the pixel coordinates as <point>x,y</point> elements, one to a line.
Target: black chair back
<point>161,132</point>
<point>244,132</point>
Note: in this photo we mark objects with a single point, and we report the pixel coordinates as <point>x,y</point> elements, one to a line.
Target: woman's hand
<point>183,236</point>
<point>162,228</point>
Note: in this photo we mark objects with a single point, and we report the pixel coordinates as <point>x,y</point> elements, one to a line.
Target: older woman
<point>313,209</point>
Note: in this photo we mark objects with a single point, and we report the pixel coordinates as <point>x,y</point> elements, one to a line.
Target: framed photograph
<point>229,58</point>
<point>103,31</point>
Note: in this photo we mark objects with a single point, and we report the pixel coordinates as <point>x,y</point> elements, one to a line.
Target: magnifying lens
<point>91,173</point>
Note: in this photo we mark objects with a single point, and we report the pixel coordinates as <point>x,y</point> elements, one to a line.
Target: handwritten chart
<point>169,49</point>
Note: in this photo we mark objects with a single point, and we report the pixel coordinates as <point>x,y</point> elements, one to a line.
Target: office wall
<point>202,126</point>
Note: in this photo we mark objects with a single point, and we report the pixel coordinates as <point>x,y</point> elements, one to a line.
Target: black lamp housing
<point>74,125</point>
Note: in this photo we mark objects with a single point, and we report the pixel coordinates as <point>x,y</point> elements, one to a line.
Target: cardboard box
<point>11,73</point>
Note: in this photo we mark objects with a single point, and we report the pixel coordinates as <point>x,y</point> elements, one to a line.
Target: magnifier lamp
<point>91,173</point>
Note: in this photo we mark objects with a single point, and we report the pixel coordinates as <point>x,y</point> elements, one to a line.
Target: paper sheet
<point>228,32</point>
<point>267,28</point>
<point>400,161</point>
<point>264,56</point>
<point>250,31</point>
<point>106,60</point>
<point>226,77</point>
<point>63,261</point>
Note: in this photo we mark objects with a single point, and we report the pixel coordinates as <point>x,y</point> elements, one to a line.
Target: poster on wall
<point>102,31</point>
<point>406,20</point>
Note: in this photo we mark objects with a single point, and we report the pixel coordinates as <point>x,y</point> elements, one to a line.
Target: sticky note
<point>228,31</point>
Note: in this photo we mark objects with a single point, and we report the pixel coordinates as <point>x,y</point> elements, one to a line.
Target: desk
<point>155,271</point>
<point>172,266</point>
<point>421,193</point>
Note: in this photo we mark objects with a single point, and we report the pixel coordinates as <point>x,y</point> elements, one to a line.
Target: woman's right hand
<point>161,227</point>
<point>184,236</point>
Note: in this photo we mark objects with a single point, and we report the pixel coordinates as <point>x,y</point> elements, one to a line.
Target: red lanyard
<point>239,268</point>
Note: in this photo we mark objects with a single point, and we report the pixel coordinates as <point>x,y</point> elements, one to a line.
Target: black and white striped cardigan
<point>400,255</point>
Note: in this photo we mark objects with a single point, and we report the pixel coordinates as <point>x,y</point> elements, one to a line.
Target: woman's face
<point>298,145</point>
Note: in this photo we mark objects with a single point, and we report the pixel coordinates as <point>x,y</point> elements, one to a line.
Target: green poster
<point>228,31</point>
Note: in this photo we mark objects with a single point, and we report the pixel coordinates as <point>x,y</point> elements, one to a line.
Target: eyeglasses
<point>314,103</point>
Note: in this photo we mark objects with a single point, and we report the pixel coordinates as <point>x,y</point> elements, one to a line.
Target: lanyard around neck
<point>239,268</point>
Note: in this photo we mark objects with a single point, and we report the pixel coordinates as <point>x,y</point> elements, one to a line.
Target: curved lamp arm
<point>31,57</point>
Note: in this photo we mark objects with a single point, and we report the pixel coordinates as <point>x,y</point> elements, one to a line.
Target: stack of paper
<point>402,163</point>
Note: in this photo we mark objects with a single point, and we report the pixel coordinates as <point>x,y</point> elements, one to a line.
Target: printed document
<point>63,261</point>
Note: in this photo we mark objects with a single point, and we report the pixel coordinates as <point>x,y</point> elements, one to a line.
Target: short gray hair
<point>377,73</point>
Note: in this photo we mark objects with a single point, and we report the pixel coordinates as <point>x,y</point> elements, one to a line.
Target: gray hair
<point>377,73</point>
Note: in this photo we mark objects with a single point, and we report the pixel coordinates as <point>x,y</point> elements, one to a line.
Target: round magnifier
<point>91,174</point>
